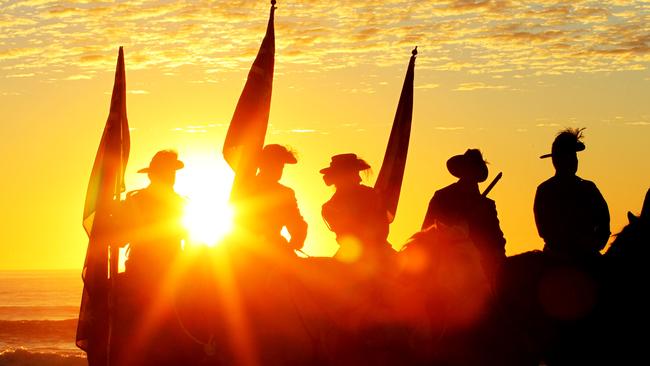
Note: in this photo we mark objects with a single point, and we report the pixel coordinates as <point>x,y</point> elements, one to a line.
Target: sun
<point>205,182</point>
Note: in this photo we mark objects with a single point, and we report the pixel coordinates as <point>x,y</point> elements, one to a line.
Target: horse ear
<point>645,211</point>
<point>632,217</point>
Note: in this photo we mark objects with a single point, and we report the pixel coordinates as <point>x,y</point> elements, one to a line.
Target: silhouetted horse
<point>625,309</point>
<point>411,309</point>
<point>429,305</point>
<point>585,312</point>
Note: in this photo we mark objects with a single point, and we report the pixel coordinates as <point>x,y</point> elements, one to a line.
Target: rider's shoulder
<point>590,187</point>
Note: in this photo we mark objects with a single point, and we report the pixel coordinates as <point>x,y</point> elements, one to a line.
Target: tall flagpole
<point>391,174</point>
<point>247,130</point>
<point>106,183</point>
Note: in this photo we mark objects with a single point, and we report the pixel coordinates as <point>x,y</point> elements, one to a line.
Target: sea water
<point>38,317</point>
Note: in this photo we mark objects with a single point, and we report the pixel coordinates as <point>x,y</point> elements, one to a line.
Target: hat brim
<point>579,147</point>
<point>177,166</point>
<point>358,166</point>
<point>461,167</point>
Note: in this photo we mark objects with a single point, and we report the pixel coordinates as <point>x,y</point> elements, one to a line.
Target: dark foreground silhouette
<point>430,305</point>
<point>570,212</point>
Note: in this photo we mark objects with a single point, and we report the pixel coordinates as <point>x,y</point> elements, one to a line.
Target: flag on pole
<point>245,137</point>
<point>391,174</point>
<point>106,184</point>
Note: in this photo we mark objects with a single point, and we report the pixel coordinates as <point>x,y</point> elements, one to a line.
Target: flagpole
<point>102,198</point>
<point>391,174</point>
<point>247,130</point>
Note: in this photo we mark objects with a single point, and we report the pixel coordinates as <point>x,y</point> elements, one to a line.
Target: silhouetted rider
<point>461,204</point>
<point>355,213</point>
<point>571,214</point>
<point>266,206</point>
<point>151,219</point>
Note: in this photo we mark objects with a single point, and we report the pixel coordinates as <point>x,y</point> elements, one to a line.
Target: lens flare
<point>208,220</point>
<point>206,183</point>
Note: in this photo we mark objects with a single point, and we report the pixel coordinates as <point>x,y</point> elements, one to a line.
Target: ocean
<point>38,318</point>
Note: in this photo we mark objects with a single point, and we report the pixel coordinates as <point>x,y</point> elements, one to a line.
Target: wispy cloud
<point>427,86</point>
<point>303,131</point>
<point>202,128</point>
<point>537,37</point>
<point>26,75</point>
<point>478,86</point>
<point>449,128</point>
<point>79,77</point>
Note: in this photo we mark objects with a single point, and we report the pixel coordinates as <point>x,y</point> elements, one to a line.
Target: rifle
<point>492,184</point>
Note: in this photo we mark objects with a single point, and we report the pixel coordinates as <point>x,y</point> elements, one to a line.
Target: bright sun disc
<point>208,215</point>
<point>207,220</point>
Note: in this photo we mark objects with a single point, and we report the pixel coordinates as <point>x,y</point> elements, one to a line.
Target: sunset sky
<point>502,76</point>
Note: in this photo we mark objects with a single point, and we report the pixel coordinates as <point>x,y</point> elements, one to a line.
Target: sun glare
<point>206,184</point>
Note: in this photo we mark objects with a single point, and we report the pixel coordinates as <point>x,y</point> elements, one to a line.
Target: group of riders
<point>571,214</point>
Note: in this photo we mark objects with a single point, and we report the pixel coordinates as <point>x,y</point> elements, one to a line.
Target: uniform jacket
<point>150,221</point>
<point>571,216</point>
<point>269,206</point>
<point>462,205</point>
<point>360,213</point>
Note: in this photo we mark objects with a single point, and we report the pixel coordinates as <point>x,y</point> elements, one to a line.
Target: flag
<point>391,174</point>
<point>106,184</point>
<point>245,137</point>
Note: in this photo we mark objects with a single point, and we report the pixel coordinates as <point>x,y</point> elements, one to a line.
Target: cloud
<point>537,37</point>
<point>12,53</point>
<point>138,92</point>
<point>189,129</point>
<point>478,86</point>
<point>427,86</point>
<point>79,77</point>
<point>89,59</point>
<point>449,128</point>
<point>25,75</point>
<point>202,128</point>
<point>303,131</point>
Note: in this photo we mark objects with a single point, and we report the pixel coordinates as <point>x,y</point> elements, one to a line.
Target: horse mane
<point>631,243</point>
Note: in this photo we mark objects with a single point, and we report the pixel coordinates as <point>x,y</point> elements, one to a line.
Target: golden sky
<point>502,76</point>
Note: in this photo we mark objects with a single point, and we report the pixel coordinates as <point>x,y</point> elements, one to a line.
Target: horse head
<point>632,244</point>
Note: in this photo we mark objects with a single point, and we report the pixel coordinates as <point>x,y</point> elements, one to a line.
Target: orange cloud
<point>477,36</point>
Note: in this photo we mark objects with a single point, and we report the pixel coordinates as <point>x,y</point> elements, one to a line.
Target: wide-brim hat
<point>345,163</point>
<point>567,141</point>
<point>276,153</point>
<point>469,165</point>
<point>164,160</point>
